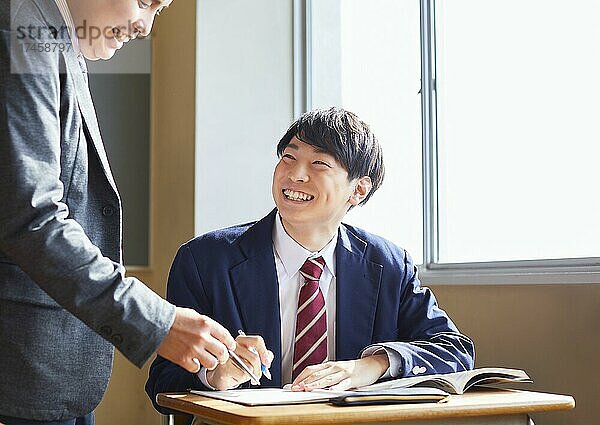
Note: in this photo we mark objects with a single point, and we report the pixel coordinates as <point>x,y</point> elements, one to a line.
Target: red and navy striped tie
<point>310,345</point>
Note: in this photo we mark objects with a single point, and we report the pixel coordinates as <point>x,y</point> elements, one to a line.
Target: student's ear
<point>362,189</point>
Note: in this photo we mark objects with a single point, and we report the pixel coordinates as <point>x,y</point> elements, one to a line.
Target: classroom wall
<point>245,103</point>
<point>549,330</point>
<point>173,112</point>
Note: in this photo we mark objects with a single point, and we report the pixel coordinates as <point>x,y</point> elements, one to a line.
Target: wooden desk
<point>481,406</point>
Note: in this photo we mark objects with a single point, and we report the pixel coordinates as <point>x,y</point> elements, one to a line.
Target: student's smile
<point>297,196</point>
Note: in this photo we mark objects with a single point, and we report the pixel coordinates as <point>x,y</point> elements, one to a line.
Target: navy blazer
<point>230,275</point>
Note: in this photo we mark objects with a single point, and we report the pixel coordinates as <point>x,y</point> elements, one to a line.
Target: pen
<point>263,368</point>
<point>240,364</point>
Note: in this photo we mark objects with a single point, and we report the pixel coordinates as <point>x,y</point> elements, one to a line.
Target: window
<point>364,56</point>
<point>517,139</point>
<point>504,128</point>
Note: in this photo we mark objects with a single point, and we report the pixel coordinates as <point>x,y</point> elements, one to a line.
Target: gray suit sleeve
<point>36,232</point>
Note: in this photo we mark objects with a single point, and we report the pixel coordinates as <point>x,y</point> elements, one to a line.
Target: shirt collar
<point>65,12</point>
<point>293,255</point>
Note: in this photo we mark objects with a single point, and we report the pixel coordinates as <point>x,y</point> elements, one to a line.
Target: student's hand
<point>251,349</point>
<point>195,339</point>
<point>342,375</point>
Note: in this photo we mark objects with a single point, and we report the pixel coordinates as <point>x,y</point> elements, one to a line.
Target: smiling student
<point>64,297</point>
<point>337,306</point>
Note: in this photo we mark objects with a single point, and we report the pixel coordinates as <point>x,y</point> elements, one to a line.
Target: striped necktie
<point>310,345</point>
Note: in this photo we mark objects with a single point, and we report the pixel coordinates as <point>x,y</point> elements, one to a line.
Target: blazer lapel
<point>357,289</point>
<point>256,288</point>
<point>88,113</point>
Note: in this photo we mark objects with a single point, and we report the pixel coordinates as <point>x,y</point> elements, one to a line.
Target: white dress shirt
<point>65,12</point>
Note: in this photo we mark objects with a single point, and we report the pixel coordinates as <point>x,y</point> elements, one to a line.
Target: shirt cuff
<point>204,379</point>
<point>202,376</point>
<point>394,358</point>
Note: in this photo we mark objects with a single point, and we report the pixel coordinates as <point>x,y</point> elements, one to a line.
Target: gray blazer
<point>64,297</point>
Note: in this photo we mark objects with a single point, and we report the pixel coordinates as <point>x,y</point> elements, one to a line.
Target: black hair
<point>346,137</point>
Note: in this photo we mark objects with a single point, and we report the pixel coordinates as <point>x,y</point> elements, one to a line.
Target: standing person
<point>64,298</point>
<point>337,306</point>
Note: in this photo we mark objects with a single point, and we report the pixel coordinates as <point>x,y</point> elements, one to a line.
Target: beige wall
<point>549,330</point>
<point>172,190</point>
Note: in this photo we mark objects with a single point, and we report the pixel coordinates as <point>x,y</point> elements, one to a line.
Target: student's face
<point>104,26</point>
<point>311,188</point>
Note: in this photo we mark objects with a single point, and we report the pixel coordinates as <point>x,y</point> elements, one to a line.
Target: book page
<point>435,381</point>
<point>271,396</point>
<point>456,383</point>
<point>491,375</point>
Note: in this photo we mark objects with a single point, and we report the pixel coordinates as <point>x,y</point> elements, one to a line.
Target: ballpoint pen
<point>263,368</point>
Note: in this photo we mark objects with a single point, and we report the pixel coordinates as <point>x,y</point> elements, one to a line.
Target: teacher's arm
<point>37,233</point>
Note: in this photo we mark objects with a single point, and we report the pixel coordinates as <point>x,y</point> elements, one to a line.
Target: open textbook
<point>418,389</point>
<point>276,396</point>
<point>455,383</point>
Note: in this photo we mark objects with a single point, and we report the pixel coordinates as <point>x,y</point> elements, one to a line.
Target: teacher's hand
<point>195,339</point>
<point>342,375</point>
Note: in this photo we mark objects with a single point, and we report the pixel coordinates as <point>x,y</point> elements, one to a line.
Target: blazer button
<point>106,330</point>
<point>117,339</point>
<point>108,211</point>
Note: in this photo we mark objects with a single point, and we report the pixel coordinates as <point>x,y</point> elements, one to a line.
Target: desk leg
<point>167,420</point>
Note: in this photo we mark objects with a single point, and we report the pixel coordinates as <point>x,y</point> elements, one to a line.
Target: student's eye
<point>143,5</point>
<point>321,163</point>
<point>287,156</point>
